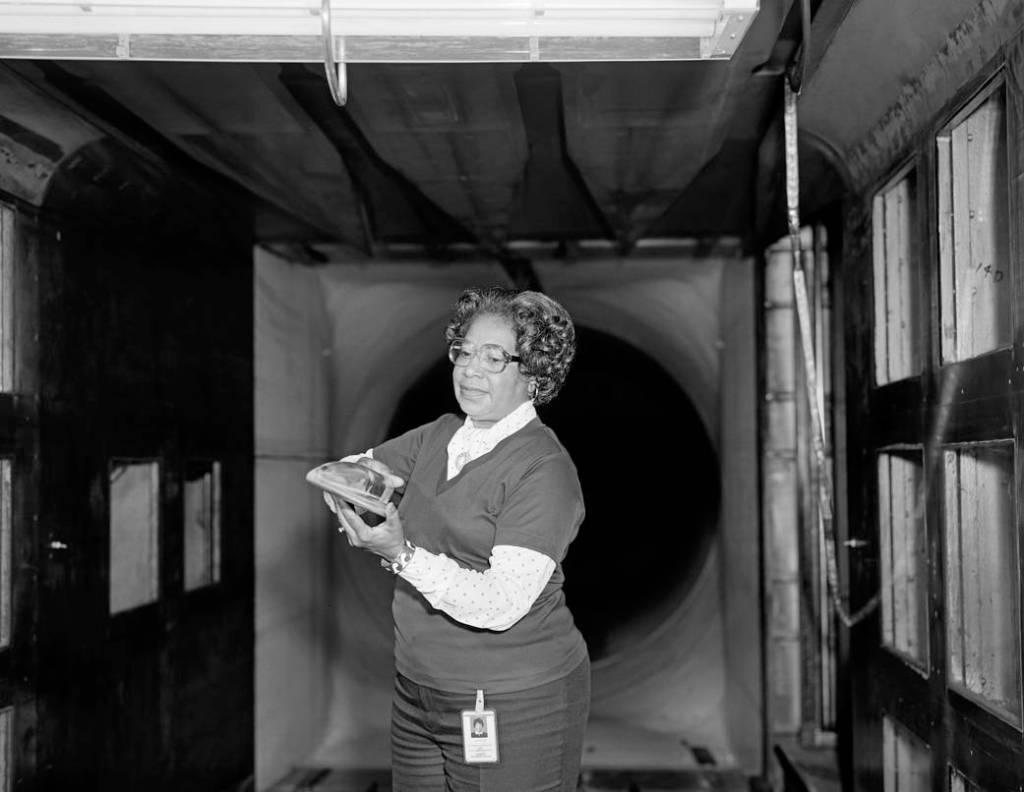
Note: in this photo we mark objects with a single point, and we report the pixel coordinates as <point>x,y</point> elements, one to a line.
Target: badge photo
<point>480,736</point>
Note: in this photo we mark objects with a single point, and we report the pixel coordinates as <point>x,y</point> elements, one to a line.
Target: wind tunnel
<point>658,414</point>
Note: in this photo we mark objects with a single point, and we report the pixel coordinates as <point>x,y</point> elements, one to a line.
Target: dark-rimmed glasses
<point>492,357</point>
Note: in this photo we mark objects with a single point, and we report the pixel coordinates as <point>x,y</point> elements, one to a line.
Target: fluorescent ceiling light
<point>381,30</point>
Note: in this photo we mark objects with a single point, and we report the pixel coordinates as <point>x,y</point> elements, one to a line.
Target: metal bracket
<point>337,75</point>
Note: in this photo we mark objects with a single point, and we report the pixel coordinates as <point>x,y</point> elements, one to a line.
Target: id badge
<point>480,733</point>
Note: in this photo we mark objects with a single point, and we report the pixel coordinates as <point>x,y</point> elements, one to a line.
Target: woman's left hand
<point>386,539</point>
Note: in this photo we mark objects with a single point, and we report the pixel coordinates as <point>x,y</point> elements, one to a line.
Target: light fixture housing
<point>362,31</point>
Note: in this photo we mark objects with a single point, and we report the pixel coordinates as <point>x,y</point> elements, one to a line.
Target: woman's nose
<point>472,368</point>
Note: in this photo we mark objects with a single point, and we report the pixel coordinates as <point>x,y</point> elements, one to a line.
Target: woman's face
<point>484,396</point>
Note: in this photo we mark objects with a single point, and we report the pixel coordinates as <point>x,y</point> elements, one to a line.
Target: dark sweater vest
<point>526,493</point>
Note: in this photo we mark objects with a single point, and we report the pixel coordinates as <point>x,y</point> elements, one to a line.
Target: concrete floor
<point>608,744</point>
<point>616,756</point>
<point>313,779</point>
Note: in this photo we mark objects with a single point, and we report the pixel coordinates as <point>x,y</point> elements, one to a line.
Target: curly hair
<point>545,336</point>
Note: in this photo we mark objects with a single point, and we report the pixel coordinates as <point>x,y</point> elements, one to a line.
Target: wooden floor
<point>320,779</point>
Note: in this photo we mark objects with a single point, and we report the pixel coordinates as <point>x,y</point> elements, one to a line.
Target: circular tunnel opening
<point>650,484</point>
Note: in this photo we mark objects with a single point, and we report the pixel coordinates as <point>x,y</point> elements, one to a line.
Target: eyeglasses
<point>492,357</point>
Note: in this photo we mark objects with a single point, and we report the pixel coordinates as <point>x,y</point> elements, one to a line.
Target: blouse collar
<point>508,425</point>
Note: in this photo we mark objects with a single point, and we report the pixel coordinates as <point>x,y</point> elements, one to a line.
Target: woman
<point>489,506</point>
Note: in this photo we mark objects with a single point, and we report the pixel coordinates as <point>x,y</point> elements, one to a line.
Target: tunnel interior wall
<point>740,560</point>
<point>697,673</point>
<point>293,596</point>
<point>384,330</point>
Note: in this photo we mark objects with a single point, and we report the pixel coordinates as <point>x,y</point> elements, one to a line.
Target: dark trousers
<point>540,738</point>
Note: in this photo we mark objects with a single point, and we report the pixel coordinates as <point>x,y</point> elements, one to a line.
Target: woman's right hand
<point>386,539</point>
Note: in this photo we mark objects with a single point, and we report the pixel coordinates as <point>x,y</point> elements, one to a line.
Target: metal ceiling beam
<point>763,213</point>
<point>396,210</point>
<point>827,17</point>
<point>555,203</point>
<point>520,271</point>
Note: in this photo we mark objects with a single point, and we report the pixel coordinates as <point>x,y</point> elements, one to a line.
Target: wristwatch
<point>401,561</point>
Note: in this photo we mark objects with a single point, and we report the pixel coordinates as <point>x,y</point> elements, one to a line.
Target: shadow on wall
<point>650,480</point>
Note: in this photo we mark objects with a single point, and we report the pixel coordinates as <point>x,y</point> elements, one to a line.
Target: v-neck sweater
<point>525,492</point>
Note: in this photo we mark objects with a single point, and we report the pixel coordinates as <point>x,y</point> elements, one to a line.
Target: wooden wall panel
<point>980,399</point>
<point>26,242</point>
<point>147,353</point>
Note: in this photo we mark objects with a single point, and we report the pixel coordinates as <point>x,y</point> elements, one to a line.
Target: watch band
<point>401,561</point>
